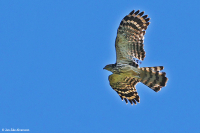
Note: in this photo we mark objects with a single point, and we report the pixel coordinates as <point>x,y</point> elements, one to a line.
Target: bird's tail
<point>151,77</point>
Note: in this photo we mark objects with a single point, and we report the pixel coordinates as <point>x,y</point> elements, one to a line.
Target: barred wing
<point>125,87</point>
<point>130,37</point>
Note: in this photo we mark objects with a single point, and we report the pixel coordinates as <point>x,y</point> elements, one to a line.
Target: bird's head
<point>109,67</point>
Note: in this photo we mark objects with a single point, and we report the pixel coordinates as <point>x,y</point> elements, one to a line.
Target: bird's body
<point>125,69</point>
<point>129,47</point>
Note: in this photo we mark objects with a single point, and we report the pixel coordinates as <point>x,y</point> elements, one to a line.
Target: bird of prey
<point>129,50</point>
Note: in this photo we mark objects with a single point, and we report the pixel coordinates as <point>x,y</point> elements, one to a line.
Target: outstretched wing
<point>130,37</point>
<point>125,87</point>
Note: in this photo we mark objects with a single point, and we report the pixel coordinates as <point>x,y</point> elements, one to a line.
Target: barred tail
<point>151,77</point>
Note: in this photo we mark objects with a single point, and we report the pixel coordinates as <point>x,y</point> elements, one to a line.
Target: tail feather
<point>151,77</point>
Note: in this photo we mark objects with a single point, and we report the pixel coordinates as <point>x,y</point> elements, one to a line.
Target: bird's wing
<point>125,87</point>
<point>130,37</point>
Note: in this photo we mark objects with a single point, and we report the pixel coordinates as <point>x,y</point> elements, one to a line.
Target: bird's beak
<point>104,68</point>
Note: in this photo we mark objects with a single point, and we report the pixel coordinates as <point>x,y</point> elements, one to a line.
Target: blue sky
<point>52,55</point>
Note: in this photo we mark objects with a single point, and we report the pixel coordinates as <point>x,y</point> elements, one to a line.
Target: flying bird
<point>129,50</point>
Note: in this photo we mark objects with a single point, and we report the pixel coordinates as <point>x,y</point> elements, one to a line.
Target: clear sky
<point>52,55</point>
